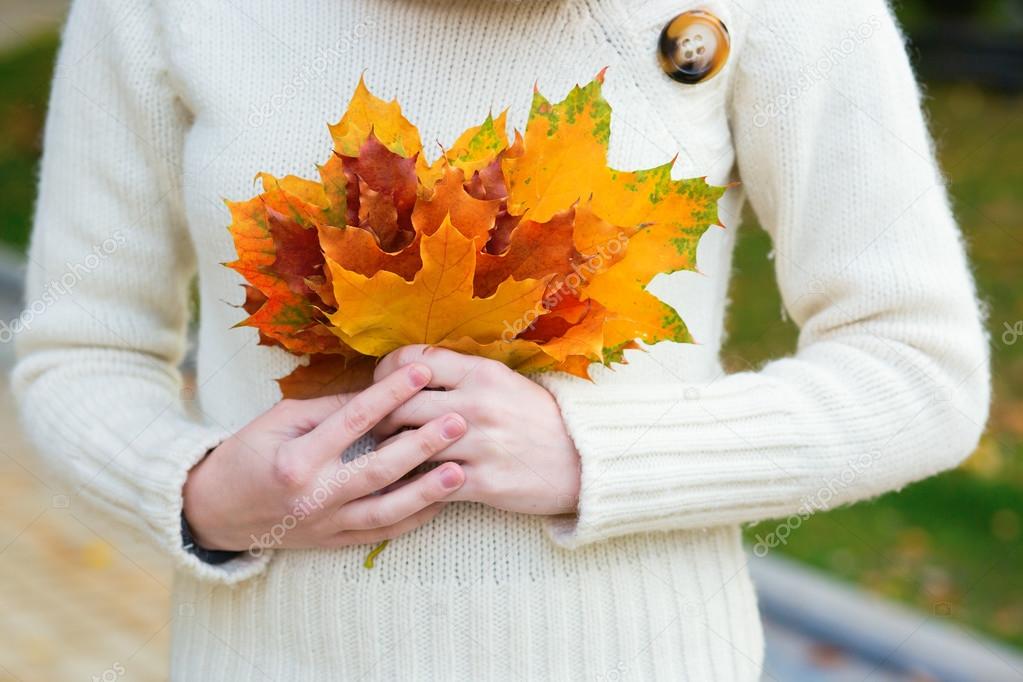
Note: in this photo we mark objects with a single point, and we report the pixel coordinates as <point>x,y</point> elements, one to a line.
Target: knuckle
<point>396,394</point>
<point>429,494</point>
<point>490,372</point>
<point>486,488</point>
<point>289,472</point>
<point>429,442</point>
<point>376,518</point>
<point>380,475</point>
<point>408,354</point>
<point>473,410</point>
<point>356,418</point>
<point>391,363</point>
<point>285,408</point>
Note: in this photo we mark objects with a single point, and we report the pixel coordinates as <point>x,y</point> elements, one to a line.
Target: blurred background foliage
<point>1000,13</point>
<point>24,88</point>
<point>952,544</point>
<point>949,545</point>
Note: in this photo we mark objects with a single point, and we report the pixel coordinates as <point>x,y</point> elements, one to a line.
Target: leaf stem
<point>368,563</point>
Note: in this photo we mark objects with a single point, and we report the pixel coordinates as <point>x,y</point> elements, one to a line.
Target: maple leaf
<point>472,217</point>
<point>328,375</point>
<point>335,191</point>
<point>283,316</point>
<point>368,115</point>
<point>565,148</point>
<point>674,215</point>
<point>380,313</point>
<point>473,151</point>
<point>532,252</point>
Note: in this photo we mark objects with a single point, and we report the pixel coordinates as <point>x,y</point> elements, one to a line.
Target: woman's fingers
<point>370,537</point>
<point>449,368</point>
<point>308,414</point>
<point>390,439</point>
<point>376,470</point>
<point>381,511</point>
<point>418,410</point>
<point>359,414</point>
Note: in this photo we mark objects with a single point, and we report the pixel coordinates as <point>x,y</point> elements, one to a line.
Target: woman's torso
<point>477,592</point>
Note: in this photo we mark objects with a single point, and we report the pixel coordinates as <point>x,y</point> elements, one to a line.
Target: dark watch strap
<point>209,556</point>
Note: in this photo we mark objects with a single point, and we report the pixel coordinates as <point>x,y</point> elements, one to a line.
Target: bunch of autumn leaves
<point>532,252</point>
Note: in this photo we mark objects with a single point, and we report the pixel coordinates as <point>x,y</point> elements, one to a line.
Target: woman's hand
<point>280,481</point>
<point>516,454</point>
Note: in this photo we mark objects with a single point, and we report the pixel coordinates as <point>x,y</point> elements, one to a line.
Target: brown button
<point>694,46</point>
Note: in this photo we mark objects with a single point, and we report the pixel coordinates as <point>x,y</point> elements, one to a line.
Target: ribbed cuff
<point>664,457</point>
<point>127,448</point>
<point>165,516</point>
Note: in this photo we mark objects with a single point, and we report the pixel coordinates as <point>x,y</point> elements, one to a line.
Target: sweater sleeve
<point>890,382</point>
<point>107,290</point>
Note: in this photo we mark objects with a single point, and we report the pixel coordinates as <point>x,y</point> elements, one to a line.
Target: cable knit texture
<point>161,109</point>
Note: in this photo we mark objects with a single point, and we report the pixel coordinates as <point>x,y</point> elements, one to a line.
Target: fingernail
<point>449,477</point>
<point>418,376</point>
<point>452,427</point>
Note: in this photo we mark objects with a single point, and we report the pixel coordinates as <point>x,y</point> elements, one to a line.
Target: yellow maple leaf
<point>565,149</point>
<point>368,114</point>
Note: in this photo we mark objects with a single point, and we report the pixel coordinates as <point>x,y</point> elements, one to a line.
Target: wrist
<point>568,502</point>
<point>197,513</point>
<point>209,556</point>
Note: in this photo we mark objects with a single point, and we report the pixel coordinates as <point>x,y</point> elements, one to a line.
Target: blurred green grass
<point>950,545</point>
<point>24,87</point>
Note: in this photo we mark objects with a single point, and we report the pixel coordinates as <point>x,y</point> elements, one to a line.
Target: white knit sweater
<point>163,108</point>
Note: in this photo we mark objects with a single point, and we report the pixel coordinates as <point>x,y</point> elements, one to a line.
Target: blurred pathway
<point>79,599</point>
